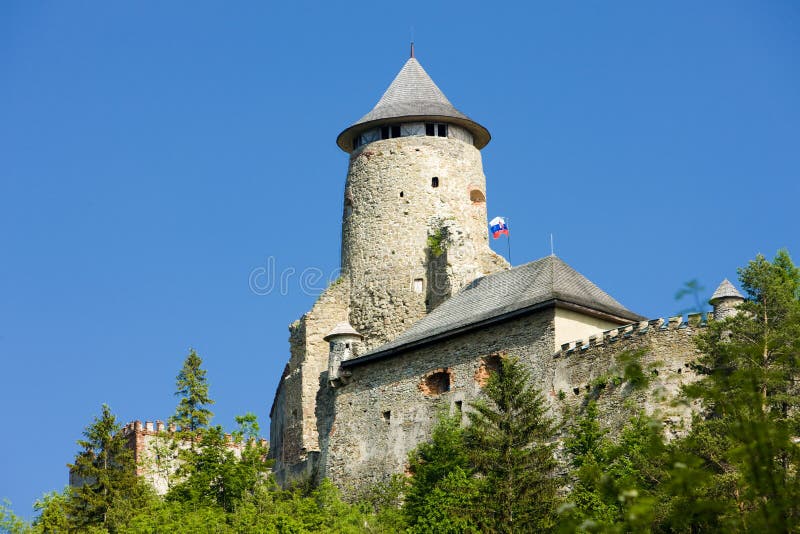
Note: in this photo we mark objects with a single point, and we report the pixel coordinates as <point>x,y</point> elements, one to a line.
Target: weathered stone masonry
<point>365,445</point>
<point>424,310</point>
<point>667,347</point>
<point>391,209</point>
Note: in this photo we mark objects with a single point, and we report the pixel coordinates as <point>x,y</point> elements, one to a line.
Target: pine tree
<point>751,394</point>
<point>109,490</point>
<point>509,444</point>
<point>192,413</point>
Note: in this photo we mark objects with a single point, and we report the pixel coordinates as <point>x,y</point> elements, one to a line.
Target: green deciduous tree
<point>691,288</point>
<point>214,475</point>
<point>430,463</point>
<point>615,482</point>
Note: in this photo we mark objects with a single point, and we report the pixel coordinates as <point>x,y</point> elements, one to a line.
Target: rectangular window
<point>418,285</point>
<point>430,129</point>
<point>384,132</point>
<point>356,142</point>
<point>396,131</point>
<point>442,130</point>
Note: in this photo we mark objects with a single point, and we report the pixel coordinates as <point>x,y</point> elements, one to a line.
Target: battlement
<point>628,331</point>
<point>136,429</point>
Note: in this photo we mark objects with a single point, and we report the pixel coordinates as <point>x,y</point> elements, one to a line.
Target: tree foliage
<point>498,474</point>
<point>736,470</point>
<point>751,396</point>
<point>192,413</point>
<point>510,443</point>
<point>109,490</point>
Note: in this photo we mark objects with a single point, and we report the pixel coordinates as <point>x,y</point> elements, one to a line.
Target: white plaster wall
<point>571,326</point>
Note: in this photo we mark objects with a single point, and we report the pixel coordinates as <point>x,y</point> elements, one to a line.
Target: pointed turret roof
<point>413,96</point>
<point>506,294</point>
<point>724,291</point>
<point>342,329</point>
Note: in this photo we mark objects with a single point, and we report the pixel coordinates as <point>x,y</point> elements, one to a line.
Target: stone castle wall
<point>390,210</point>
<point>591,368</point>
<point>385,410</point>
<point>155,452</point>
<point>293,423</point>
<point>388,407</point>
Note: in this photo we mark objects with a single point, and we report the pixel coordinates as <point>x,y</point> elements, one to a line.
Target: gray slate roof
<point>412,95</point>
<point>725,290</point>
<point>526,287</point>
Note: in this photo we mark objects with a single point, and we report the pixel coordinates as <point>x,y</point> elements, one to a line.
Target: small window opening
<point>418,285</point>
<point>459,406</point>
<point>435,129</point>
<point>435,181</point>
<point>390,132</point>
<point>387,416</point>
<point>347,345</point>
<point>401,194</point>
<point>436,383</point>
<point>356,141</point>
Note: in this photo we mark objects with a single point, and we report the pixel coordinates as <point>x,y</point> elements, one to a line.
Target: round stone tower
<point>725,300</point>
<point>414,227</point>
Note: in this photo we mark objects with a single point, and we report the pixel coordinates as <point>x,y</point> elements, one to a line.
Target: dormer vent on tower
<point>412,106</point>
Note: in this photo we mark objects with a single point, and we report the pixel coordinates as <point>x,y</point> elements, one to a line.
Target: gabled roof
<point>725,290</point>
<point>545,282</point>
<point>413,96</point>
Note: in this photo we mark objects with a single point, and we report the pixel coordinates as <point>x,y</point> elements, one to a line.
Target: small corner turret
<point>725,300</point>
<point>343,340</point>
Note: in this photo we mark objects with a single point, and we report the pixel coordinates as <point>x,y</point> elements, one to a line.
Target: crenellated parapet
<point>155,447</point>
<point>632,330</point>
<point>594,368</point>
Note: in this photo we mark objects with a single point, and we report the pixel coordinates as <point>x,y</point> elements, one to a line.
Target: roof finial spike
<point>412,48</point>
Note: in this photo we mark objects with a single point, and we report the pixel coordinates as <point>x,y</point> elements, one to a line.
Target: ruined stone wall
<point>592,368</point>
<point>389,406</point>
<point>293,423</point>
<point>390,210</point>
<point>155,452</point>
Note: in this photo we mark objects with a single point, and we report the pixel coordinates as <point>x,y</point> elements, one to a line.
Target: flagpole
<point>508,240</point>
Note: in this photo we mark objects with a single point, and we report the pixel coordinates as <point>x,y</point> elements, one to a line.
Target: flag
<point>498,226</point>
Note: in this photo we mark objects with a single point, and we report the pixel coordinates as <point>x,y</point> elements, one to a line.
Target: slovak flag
<point>498,226</point>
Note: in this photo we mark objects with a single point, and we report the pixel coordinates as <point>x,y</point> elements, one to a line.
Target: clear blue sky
<point>152,154</point>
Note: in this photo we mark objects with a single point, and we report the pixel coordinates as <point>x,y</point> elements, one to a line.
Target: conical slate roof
<point>343,328</point>
<point>413,96</point>
<point>725,290</point>
<point>506,294</point>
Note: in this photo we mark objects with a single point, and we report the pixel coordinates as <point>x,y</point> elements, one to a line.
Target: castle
<point>424,310</point>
